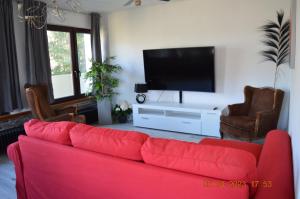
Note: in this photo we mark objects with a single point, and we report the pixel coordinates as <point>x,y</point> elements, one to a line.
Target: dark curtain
<point>37,52</point>
<point>95,36</point>
<point>10,96</point>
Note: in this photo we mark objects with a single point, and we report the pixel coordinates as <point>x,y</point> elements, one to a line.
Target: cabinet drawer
<point>190,126</point>
<point>211,124</point>
<point>148,121</point>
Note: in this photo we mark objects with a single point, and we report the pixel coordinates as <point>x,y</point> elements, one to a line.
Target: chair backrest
<point>264,99</point>
<point>38,101</point>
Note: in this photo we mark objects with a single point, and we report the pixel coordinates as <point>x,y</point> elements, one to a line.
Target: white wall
<point>72,19</point>
<point>294,127</point>
<point>231,26</point>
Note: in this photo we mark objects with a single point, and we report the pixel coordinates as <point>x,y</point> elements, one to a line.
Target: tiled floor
<point>7,179</point>
<point>7,173</point>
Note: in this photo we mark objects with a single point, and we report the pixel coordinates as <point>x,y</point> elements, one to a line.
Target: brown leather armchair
<point>38,101</point>
<point>256,116</point>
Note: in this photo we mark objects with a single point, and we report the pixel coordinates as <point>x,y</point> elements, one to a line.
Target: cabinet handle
<point>145,118</point>
<point>211,113</point>
<point>186,122</point>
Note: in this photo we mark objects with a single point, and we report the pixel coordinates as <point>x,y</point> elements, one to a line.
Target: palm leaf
<point>270,25</point>
<point>285,27</point>
<point>284,43</point>
<point>287,48</point>
<point>270,43</point>
<point>271,30</point>
<point>280,15</point>
<point>269,57</point>
<point>283,59</point>
<point>282,53</point>
<point>277,39</point>
<point>269,52</point>
<point>273,36</point>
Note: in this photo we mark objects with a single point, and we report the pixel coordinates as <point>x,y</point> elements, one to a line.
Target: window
<point>70,58</point>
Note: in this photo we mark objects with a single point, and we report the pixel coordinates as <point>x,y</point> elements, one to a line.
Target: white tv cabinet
<point>192,119</point>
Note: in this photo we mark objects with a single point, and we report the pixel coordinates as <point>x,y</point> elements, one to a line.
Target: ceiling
<point>107,5</point>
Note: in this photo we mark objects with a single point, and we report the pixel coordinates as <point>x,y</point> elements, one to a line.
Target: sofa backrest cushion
<point>124,144</point>
<point>211,161</point>
<point>253,148</point>
<point>57,132</point>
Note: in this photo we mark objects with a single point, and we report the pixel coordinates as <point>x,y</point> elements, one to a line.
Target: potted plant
<point>121,112</point>
<point>102,85</point>
<point>277,41</point>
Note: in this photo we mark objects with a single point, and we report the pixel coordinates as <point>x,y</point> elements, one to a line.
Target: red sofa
<point>71,161</point>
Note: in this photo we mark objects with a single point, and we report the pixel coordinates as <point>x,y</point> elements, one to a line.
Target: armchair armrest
<point>238,109</point>
<point>265,121</point>
<point>70,109</point>
<point>62,117</point>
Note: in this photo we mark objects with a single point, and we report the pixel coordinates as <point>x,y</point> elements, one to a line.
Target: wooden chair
<point>38,101</point>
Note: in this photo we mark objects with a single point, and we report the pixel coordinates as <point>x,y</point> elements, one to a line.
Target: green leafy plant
<point>102,81</point>
<point>277,41</point>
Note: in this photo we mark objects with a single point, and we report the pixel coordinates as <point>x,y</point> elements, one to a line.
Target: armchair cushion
<point>262,100</point>
<point>241,122</point>
<point>238,109</point>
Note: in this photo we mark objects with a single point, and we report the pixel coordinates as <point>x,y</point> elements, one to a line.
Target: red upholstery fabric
<point>14,154</point>
<point>275,168</point>
<point>67,172</point>
<point>255,149</point>
<point>125,144</point>
<point>57,132</point>
<point>212,161</point>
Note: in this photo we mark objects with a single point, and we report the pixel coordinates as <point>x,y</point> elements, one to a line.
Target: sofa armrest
<point>63,117</point>
<point>14,154</point>
<point>238,109</point>
<point>275,167</point>
<point>265,122</point>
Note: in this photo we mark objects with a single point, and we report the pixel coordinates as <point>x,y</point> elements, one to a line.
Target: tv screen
<point>182,69</point>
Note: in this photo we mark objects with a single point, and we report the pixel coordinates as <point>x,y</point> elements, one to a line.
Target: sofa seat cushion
<point>241,122</point>
<point>124,144</point>
<point>255,149</point>
<point>212,161</point>
<point>57,132</point>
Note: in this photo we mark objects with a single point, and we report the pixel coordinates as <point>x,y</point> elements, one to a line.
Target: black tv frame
<point>180,90</point>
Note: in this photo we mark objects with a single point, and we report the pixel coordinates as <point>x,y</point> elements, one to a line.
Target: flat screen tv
<point>180,69</point>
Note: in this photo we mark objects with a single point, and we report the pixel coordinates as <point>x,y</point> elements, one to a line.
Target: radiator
<point>9,136</point>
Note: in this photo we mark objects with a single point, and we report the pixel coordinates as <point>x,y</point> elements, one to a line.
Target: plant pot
<point>122,119</point>
<point>104,111</point>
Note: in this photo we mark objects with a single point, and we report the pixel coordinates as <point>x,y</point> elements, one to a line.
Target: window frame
<point>74,58</point>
